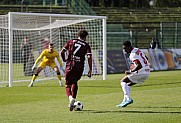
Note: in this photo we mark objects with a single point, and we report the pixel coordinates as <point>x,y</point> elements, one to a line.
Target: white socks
<point>126,90</point>
<point>70,97</point>
<point>60,83</point>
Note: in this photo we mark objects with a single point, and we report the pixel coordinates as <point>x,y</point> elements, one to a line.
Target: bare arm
<point>39,58</point>
<point>60,62</point>
<point>137,66</point>
<point>90,65</point>
<point>62,52</point>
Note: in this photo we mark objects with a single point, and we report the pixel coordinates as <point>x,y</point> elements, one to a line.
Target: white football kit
<point>141,75</point>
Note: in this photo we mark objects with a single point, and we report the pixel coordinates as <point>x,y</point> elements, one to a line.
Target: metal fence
<point>142,33</point>
<point>35,2</point>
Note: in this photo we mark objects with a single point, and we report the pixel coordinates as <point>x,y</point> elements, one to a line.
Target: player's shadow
<point>99,86</point>
<point>131,111</point>
<point>158,84</point>
<point>161,107</point>
<point>137,85</point>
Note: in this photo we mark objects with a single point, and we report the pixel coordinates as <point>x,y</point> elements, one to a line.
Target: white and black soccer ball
<point>78,106</point>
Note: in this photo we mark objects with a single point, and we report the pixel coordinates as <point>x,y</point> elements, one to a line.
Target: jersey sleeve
<point>89,52</point>
<point>40,57</point>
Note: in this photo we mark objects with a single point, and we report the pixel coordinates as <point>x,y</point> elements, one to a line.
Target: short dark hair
<point>51,44</point>
<point>127,43</point>
<point>82,33</point>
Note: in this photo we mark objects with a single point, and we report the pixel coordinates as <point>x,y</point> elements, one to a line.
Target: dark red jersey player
<point>77,50</point>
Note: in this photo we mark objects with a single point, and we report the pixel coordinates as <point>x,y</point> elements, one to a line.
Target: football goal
<point>23,36</point>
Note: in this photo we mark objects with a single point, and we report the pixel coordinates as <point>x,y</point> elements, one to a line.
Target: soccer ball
<point>78,106</point>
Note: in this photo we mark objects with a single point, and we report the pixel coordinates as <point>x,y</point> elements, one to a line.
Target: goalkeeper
<point>48,59</point>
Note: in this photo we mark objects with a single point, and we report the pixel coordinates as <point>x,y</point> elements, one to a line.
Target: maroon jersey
<point>77,49</point>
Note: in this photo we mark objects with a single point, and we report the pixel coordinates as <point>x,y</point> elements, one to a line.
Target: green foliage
<point>157,100</point>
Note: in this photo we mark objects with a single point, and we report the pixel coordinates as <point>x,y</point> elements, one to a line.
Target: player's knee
<point>131,84</point>
<point>122,83</point>
<point>36,74</point>
<point>75,85</point>
<point>68,86</point>
<point>58,73</point>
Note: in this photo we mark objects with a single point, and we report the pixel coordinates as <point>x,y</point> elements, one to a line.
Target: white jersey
<point>137,54</point>
<point>142,74</point>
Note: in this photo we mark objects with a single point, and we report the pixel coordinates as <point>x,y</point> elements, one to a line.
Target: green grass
<point>157,100</point>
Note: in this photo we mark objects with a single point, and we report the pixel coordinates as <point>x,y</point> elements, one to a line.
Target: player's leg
<point>77,75</point>
<point>74,90</point>
<point>70,89</point>
<point>75,79</point>
<point>126,84</point>
<point>72,93</point>
<point>68,84</point>
<point>35,75</point>
<point>72,78</point>
<point>126,90</point>
<point>58,74</point>
<point>69,94</point>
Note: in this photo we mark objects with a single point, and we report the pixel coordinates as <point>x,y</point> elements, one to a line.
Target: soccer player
<point>48,59</point>
<point>138,73</point>
<point>77,50</point>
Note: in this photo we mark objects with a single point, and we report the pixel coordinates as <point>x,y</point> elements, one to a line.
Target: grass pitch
<point>157,100</point>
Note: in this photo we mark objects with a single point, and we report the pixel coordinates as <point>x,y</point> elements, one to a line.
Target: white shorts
<point>140,76</point>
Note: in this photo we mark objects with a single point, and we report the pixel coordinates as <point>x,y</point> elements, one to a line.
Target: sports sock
<point>126,90</point>
<point>129,91</point>
<point>33,78</point>
<point>59,77</point>
<point>70,97</point>
<point>74,90</point>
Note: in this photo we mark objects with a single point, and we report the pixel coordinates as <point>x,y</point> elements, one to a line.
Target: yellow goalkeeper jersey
<point>49,57</point>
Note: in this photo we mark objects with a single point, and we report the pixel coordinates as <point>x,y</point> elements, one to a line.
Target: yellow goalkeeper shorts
<point>44,64</point>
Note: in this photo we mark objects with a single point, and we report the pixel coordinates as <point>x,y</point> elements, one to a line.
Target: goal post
<point>25,35</point>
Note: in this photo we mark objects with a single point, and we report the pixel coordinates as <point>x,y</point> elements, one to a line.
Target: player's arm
<point>38,59</point>
<point>135,66</point>
<point>89,56</point>
<point>62,52</point>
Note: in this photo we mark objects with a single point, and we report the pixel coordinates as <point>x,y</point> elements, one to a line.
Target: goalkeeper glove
<point>33,67</point>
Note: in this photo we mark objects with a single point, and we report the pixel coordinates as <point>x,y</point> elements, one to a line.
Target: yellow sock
<point>59,77</point>
<point>33,78</point>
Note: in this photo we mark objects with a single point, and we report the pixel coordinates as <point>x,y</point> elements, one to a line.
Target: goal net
<point>23,36</point>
